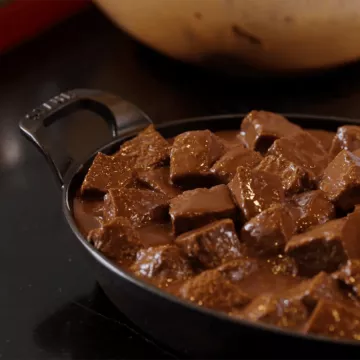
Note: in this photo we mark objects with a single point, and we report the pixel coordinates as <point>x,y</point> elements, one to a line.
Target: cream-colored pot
<point>266,34</point>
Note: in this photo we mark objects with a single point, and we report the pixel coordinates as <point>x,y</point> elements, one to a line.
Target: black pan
<point>184,327</point>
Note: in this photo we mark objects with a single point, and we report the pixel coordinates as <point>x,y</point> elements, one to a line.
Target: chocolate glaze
<point>195,208</point>
<point>260,246</point>
<point>268,232</point>
<point>305,151</point>
<point>260,129</point>
<point>225,168</point>
<point>341,180</point>
<point>88,214</point>
<point>148,150</point>
<point>192,155</point>
<point>212,244</point>
<point>231,138</point>
<point>325,137</point>
<point>255,191</point>
<point>347,138</point>
<point>293,177</point>
<point>334,320</point>
<point>311,208</point>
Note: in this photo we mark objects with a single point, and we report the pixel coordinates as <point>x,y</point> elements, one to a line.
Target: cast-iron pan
<point>184,327</point>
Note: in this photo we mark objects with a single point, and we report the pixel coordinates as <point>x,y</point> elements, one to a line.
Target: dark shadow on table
<point>92,328</point>
<point>163,87</point>
<point>251,87</point>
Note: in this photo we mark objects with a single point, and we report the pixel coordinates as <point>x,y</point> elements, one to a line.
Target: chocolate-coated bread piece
<point>326,247</point>
<point>268,232</point>
<point>149,149</point>
<point>347,138</point>
<point>292,307</point>
<point>162,264</point>
<point>311,208</point>
<point>139,206</point>
<point>293,177</point>
<point>349,274</point>
<point>325,137</point>
<point>341,180</point>
<point>211,245</point>
<point>158,180</point>
<point>212,290</point>
<point>225,168</point>
<point>192,156</point>
<point>271,309</point>
<point>255,191</point>
<point>335,320</point>
<point>117,239</point>
<point>305,151</point>
<point>196,208</point>
<point>107,172</point>
<point>261,128</point>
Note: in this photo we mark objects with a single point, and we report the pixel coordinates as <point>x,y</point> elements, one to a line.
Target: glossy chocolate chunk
<point>335,320</point>
<point>347,138</point>
<point>326,247</point>
<point>282,264</point>
<point>239,269</point>
<point>256,276</point>
<point>255,191</point>
<point>139,206</point>
<point>162,264</point>
<point>349,274</point>
<point>291,307</point>
<point>261,128</point>
<point>149,149</point>
<point>272,309</point>
<point>192,155</point>
<point>310,291</point>
<point>212,290</point>
<point>305,151</point>
<point>156,234</point>
<point>231,139</point>
<point>212,244</point>
<point>293,177</point>
<point>341,180</point>
<point>107,172</point>
<point>159,181</point>
<point>196,208</point>
<point>325,137</point>
<point>268,232</point>
<point>311,208</point>
<point>225,167</point>
<point>117,239</point>
<point>88,214</point>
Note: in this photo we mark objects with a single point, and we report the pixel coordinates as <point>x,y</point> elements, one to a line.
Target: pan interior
<point>213,123</point>
<point>170,129</point>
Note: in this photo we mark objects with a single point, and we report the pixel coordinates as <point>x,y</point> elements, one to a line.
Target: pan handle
<point>118,113</point>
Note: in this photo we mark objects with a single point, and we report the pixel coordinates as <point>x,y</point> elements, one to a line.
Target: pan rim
<point>128,276</point>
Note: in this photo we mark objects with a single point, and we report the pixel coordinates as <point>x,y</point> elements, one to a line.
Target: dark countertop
<point>50,305</point>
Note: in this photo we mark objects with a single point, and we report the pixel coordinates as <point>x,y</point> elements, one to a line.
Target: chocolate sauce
<point>240,221</point>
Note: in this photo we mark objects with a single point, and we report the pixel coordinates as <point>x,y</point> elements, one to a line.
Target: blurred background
<point>21,20</point>
<point>172,58</point>
<point>233,36</point>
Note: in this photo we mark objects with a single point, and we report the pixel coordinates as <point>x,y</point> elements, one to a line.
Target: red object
<point>24,19</point>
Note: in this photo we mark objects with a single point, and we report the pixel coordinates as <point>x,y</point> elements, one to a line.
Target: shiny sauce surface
<point>298,288</point>
<point>88,214</point>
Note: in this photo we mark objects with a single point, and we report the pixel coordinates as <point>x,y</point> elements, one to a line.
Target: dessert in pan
<point>260,223</point>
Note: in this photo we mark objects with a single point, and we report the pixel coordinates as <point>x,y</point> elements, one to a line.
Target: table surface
<point>50,305</point>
